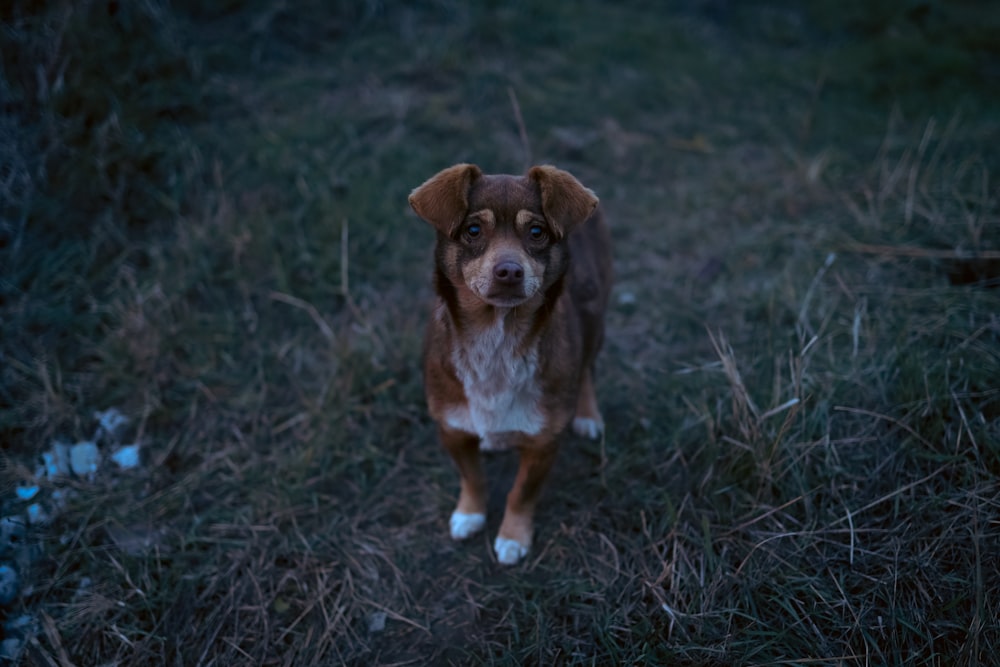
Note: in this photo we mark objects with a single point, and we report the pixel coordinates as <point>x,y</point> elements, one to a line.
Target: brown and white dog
<point>522,275</point>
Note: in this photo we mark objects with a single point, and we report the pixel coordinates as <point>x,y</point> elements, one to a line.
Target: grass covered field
<point>204,224</point>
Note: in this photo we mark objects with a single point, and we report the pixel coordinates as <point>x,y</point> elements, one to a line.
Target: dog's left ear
<point>565,202</point>
<point>443,199</point>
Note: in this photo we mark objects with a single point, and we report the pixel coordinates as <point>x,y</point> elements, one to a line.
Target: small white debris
<point>27,492</point>
<point>627,299</point>
<point>82,588</point>
<point>136,539</point>
<point>111,421</point>
<point>126,457</point>
<point>37,514</point>
<point>83,458</point>
<point>56,460</point>
<point>376,621</point>
<point>784,406</point>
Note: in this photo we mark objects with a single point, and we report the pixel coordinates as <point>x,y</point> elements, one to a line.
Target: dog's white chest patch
<point>500,386</point>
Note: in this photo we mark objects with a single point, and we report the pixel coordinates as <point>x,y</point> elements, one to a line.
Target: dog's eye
<point>536,233</point>
<point>473,230</point>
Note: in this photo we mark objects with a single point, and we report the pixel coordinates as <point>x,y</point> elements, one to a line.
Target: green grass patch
<point>205,225</point>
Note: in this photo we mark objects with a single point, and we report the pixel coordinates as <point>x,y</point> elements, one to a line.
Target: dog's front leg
<point>516,530</point>
<point>469,516</point>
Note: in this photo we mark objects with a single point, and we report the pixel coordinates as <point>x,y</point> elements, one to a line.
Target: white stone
<point>37,514</point>
<point>56,460</point>
<point>126,457</point>
<point>84,458</point>
<point>111,421</point>
<point>376,621</point>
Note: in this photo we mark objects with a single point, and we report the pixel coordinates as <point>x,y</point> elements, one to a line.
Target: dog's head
<point>503,237</point>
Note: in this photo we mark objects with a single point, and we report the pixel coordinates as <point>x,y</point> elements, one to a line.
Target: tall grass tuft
<point>96,94</point>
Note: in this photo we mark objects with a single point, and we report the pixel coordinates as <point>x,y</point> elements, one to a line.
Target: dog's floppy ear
<point>443,200</point>
<point>565,202</point>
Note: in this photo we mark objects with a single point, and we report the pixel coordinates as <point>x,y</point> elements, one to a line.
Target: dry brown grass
<point>799,380</point>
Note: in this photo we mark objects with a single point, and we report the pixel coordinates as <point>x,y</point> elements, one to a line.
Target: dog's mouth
<point>508,294</point>
<point>502,295</point>
<point>504,299</point>
<point>507,282</point>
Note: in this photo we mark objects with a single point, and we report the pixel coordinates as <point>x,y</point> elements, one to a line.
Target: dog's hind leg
<point>588,422</point>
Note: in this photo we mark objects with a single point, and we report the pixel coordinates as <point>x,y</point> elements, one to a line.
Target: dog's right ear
<point>443,200</point>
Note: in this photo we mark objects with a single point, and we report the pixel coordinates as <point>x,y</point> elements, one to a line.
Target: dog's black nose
<point>509,273</point>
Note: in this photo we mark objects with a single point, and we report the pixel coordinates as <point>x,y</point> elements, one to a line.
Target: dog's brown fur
<point>522,274</point>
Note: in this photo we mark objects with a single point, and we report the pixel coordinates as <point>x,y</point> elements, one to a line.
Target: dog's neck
<point>514,324</point>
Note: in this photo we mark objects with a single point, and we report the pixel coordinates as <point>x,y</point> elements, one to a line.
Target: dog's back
<point>590,279</point>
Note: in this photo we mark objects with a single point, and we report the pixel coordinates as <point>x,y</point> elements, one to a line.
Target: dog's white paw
<point>464,525</point>
<point>509,552</point>
<point>587,427</point>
